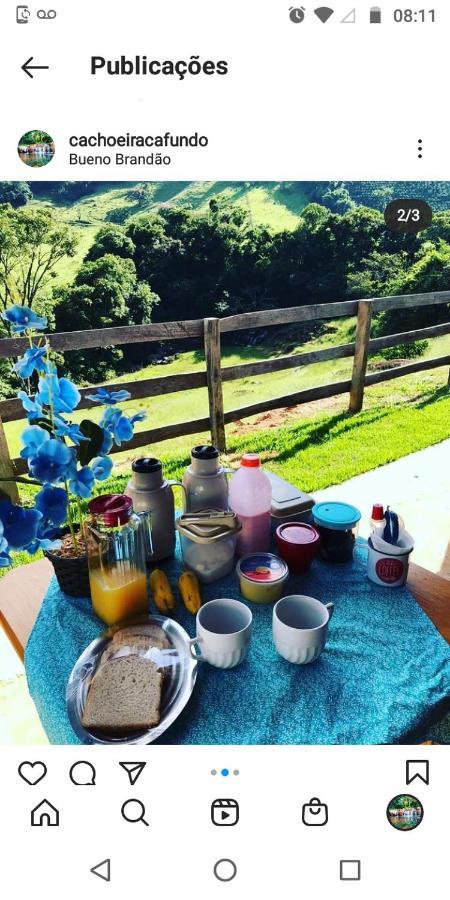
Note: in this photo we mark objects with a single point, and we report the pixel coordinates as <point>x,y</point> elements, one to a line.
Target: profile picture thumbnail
<point>36,148</point>
<point>404,812</point>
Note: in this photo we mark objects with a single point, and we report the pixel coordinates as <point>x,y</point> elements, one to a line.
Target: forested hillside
<point>98,254</point>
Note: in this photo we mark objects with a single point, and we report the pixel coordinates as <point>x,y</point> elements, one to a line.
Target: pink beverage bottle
<point>250,497</point>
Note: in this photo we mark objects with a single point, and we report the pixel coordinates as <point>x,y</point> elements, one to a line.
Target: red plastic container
<point>297,544</point>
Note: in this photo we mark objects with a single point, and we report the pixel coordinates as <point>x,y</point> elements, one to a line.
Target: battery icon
<point>375,15</point>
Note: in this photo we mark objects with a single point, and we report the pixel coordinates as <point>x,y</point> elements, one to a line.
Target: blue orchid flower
<point>52,462</point>
<point>5,559</point>
<point>31,361</point>
<point>69,430</point>
<point>32,407</point>
<point>33,437</point>
<point>107,443</point>
<point>101,467</point>
<point>52,502</point>
<point>59,393</point>
<point>81,482</point>
<point>120,425</point>
<point>22,318</point>
<point>20,525</point>
<point>109,398</point>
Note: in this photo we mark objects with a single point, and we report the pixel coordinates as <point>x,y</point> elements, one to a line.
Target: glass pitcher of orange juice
<point>116,539</point>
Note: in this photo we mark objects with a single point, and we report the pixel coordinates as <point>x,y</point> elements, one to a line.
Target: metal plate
<point>177,689</point>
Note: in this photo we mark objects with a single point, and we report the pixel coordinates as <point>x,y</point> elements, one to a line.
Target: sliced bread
<point>147,628</point>
<point>137,644</point>
<point>124,696</point>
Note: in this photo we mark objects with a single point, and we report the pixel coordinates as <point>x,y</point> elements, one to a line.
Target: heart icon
<point>32,773</point>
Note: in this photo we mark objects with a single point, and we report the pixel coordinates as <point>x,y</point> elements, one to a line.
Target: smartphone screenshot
<point>224,449</point>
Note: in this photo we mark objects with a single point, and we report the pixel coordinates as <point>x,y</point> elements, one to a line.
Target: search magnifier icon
<point>134,811</point>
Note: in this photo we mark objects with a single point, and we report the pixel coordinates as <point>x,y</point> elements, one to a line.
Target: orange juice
<point>118,595</point>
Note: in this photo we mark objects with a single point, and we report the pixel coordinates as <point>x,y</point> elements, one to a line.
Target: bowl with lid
<point>337,524</point>
<point>261,577</point>
<point>208,542</point>
<point>297,543</point>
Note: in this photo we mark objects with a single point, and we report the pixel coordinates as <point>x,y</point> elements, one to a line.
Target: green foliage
<point>113,240</point>
<point>89,449</point>
<point>32,243</point>
<point>406,351</point>
<point>17,193</point>
<point>36,137</point>
<point>105,294</point>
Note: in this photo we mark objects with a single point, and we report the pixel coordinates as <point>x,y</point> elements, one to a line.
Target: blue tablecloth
<point>384,676</point>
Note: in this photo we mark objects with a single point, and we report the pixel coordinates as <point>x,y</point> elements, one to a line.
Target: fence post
<point>6,468</point>
<point>362,338</point>
<point>214,378</point>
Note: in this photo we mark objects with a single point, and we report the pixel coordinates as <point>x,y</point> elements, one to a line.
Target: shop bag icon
<point>314,812</point>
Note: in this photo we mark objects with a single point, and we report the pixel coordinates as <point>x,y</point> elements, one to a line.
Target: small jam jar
<point>337,524</point>
<point>297,544</point>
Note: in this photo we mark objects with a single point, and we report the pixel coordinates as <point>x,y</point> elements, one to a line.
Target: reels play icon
<point>225,812</point>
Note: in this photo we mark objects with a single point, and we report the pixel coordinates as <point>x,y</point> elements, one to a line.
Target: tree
<point>111,239</point>
<point>17,193</point>
<point>105,294</point>
<point>31,246</point>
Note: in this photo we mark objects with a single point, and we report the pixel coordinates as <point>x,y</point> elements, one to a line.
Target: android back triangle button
<point>102,870</point>
<point>133,770</point>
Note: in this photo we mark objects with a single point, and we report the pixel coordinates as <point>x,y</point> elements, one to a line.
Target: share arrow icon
<point>133,770</point>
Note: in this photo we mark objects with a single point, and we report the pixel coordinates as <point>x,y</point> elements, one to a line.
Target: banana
<point>190,592</point>
<point>162,592</point>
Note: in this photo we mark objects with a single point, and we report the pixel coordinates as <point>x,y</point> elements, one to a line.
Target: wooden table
<point>22,591</point>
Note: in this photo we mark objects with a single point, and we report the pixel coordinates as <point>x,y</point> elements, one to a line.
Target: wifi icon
<point>323,13</point>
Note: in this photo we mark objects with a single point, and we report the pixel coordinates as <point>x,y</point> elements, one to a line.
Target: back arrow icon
<point>102,870</point>
<point>27,67</point>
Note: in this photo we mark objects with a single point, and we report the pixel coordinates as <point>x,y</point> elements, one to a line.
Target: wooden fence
<point>210,331</point>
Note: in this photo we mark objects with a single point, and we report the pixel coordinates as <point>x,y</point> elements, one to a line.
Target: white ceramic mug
<point>300,627</point>
<point>224,629</point>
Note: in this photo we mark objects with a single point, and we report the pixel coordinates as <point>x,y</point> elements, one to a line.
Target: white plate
<point>177,689</point>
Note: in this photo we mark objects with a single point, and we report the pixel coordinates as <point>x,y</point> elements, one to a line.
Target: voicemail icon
<point>225,812</point>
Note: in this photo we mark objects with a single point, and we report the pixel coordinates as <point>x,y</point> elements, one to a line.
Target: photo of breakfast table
<point>383,677</point>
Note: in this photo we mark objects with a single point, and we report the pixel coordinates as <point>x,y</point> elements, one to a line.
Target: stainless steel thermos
<point>205,480</point>
<point>151,493</point>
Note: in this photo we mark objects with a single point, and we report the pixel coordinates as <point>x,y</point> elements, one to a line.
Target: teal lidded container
<point>337,524</point>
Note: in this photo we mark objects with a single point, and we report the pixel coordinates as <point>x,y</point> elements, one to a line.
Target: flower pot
<point>71,572</point>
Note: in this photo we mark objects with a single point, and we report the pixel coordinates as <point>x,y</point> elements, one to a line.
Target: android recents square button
<point>350,870</point>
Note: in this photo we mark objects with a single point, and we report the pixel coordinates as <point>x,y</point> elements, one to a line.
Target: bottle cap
<point>377,512</point>
<point>146,465</point>
<point>205,451</point>
<point>251,460</point>
<point>111,509</point>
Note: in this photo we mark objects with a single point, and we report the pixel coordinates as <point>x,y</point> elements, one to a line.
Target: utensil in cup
<point>224,630</point>
<point>300,628</point>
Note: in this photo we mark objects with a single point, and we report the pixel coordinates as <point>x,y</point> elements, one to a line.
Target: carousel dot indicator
<point>225,772</point>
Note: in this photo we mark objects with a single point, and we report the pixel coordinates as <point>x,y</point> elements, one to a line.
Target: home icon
<point>45,814</point>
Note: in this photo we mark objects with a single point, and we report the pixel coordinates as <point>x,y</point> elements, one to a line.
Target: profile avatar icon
<point>36,148</point>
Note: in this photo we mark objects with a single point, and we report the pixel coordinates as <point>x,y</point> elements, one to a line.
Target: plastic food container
<point>208,542</point>
<point>261,577</point>
<point>289,503</point>
<point>337,524</point>
<point>297,544</point>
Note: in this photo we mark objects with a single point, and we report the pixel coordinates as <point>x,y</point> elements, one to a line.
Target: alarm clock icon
<point>296,14</point>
